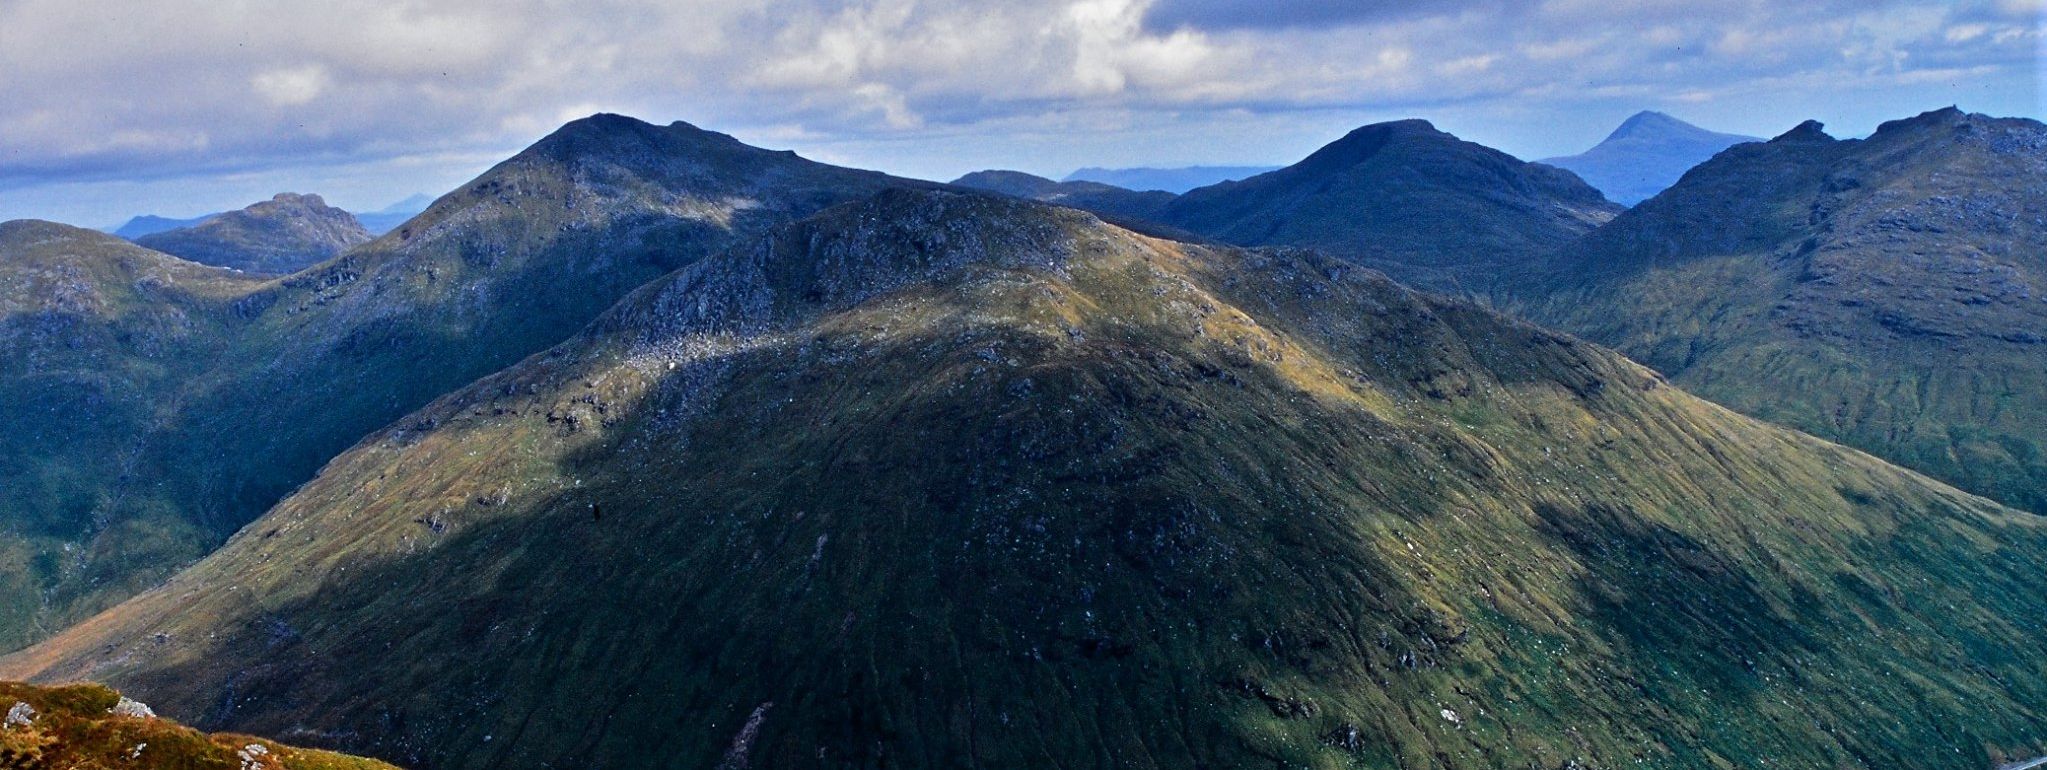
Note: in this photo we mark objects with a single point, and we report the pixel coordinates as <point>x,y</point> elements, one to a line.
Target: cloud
<point>1285,14</point>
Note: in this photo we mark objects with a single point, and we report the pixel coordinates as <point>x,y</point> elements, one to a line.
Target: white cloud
<point>290,87</point>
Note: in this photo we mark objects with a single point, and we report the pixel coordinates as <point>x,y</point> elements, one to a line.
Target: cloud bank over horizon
<point>119,107</point>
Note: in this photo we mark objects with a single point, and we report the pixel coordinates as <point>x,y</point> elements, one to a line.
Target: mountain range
<point>648,447</point>
<point>376,222</point>
<point>1646,155</point>
<point>239,390</point>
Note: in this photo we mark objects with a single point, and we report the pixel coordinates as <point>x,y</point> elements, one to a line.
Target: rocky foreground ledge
<point>88,725</point>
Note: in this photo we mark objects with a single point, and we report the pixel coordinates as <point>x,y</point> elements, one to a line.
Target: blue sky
<point>181,107</point>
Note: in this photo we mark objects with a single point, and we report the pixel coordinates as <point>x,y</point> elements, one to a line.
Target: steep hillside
<point>285,234</point>
<point>511,264</point>
<point>946,479</point>
<point>1890,293</point>
<point>1645,156</point>
<point>1089,196</point>
<point>96,333</point>
<point>1420,204</point>
<point>88,726</point>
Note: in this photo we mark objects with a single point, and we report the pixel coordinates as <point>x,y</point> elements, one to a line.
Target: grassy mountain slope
<point>1890,293</point>
<point>88,726</point>
<point>1088,196</point>
<point>285,234</point>
<point>949,479</point>
<point>95,333</point>
<point>1647,154</point>
<point>1421,205</point>
<point>306,365</point>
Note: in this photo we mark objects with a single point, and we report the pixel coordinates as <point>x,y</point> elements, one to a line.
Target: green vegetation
<point>83,726</point>
<point>156,406</point>
<point>1427,208</point>
<point>1888,293</point>
<point>950,480</point>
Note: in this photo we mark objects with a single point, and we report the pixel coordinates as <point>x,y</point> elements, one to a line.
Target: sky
<point>111,108</point>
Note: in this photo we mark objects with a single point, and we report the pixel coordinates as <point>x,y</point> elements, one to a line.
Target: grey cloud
<point>1169,15</point>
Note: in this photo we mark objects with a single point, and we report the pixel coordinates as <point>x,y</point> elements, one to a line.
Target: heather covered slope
<point>89,726</point>
<point>286,374</point>
<point>94,333</point>
<point>285,234</point>
<point>1646,155</point>
<point>1424,206</point>
<point>948,479</point>
<point>1889,293</point>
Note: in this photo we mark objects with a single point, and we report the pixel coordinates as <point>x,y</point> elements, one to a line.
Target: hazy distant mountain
<point>1889,293</point>
<point>1091,196</point>
<point>237,391</point>
<point>950,479</point>
<point>1646,155</point>
<point>1172,180</point>
<point>388,218</point>
<point>285,234</point>
<point>1403,197</point>
<point>149,224</point>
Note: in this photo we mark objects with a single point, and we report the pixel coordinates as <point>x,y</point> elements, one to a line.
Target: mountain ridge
<point>282,235</point>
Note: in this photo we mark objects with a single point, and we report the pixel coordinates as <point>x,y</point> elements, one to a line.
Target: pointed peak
<point>1809,131</point>
<point>1649,122</point>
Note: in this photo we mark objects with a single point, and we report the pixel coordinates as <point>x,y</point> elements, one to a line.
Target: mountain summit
<point>1646,155</point>
<point>952,479</point>
<point>1403,197</point>
<point>285,234</point>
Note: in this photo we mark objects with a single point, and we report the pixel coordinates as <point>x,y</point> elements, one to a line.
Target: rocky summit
<point>285,234</point>
<point>1889,292</point>
<point>951,479</point>
<point>89,726</point>
<point>1420,204</point>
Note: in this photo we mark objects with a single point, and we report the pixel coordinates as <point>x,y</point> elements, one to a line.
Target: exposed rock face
<point>953,479</point>
<point>285,234</point>
<point>1421,205</point>
<point>1890,293</point>
<point>1646,155</point>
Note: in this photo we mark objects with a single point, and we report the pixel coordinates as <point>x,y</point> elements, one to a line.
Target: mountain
<point>149,224</point>
<point>388,218</point>
<point>1090,196</point>
<point>297,369</point>
<point>1889,293</point>
<point>97,335</point>
<point>285,234</point>
<point>1172,180</point>
<point>945,478</point>
<point>1422,205</point>
<point>82,726</point>
<point>1646,155</point>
